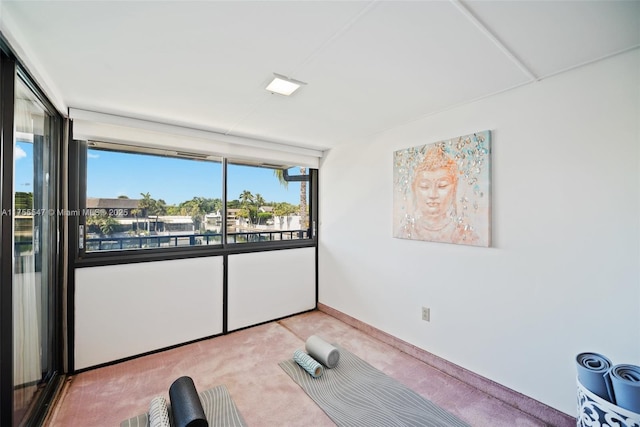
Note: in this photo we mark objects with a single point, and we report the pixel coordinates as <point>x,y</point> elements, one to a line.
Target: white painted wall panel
<point>126,310</point>
<point>563,275</point>
<point>270,285</point>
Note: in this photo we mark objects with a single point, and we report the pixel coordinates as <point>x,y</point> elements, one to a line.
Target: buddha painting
<point>442,191</point>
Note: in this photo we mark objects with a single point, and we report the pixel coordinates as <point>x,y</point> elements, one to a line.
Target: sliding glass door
<point>34,223</point>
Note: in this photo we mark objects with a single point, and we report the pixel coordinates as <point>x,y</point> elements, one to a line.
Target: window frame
<point>12,70</point>
<point>78,200</point>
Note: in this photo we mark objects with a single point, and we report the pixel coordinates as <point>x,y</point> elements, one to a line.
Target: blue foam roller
<point>308,363</point>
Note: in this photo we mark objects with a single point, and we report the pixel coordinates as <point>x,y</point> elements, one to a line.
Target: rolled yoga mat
<point>159,413</point>
<point>322,351</point>
<point>186,407</point>
<point>308,363</point>
<point>593,373</point>
<point>625,380</point>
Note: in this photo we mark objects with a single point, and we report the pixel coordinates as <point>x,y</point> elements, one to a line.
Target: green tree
<point>136,212</point>
<point>211,205</point>
<point>264,216</point>
<point>152,207</point>
<point>23,200</point>
<point>246,197</point>
<point>284,209</point>
<point>160,207</point>
<point>174,210</point>
<point>259,201</point>
<point>216,205</point>
<point>146,203</point>
<point>196,208</point>
<point>246,200</point>
<point>101,222</point>
<point>107,225</point>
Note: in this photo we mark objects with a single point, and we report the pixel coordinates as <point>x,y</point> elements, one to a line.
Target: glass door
<point>35,225</point>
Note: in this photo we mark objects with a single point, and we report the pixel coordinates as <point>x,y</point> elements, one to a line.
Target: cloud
<point>19,153</point>
<point>93,156</point>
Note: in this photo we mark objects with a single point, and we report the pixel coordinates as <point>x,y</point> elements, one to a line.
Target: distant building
<point>115,208</point>
<point>232,217</point>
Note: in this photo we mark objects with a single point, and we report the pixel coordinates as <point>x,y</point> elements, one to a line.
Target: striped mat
<point>355,393</point>
<point>218,407</point>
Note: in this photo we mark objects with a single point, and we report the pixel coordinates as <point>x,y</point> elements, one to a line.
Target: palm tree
<point>146,205</point>
<point>135,213</point>
<point>160,207</point>
<point>259,202</point>
<point>246,198</point>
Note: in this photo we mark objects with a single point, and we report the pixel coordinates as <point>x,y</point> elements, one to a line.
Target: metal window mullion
<point>7,88</point>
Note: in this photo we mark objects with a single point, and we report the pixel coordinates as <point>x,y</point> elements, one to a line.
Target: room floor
<point>246,362</point>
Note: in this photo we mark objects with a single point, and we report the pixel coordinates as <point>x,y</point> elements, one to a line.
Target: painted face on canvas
<point>434,191</point>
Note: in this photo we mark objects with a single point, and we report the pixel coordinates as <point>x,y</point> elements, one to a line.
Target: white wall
<point>126,310</point>
<point>268,285</point>
<point>562,275</point>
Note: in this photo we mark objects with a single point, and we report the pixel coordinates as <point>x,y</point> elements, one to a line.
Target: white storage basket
<point>593,411</point>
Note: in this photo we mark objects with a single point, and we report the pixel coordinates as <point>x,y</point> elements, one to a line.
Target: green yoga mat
<point>218,406</point>
<point>355,393</point>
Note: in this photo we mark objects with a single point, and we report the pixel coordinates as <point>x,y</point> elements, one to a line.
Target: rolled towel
<point>322,351</point>
<point>186,407</point>
<point>308,363</point>
<point>593,373</point>
<point>625,380</point>
<point>159,413</point>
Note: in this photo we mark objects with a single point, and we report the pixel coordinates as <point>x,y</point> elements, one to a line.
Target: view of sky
<point>111,174</point>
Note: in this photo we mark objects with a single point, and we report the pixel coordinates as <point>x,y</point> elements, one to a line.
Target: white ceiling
<point>370,65</point>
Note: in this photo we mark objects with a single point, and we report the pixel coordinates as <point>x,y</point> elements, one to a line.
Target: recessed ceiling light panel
<point>283,85</point>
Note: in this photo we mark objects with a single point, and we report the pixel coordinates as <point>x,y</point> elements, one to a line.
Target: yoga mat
<point>625,380</point>
<point>593,373</point>
<point>218,406</point>
<point>220,409</point>
<point>308,363</point>
<point>159,413</point>
<point>322,351</point>
<point>355,393</point>
<point>186,407</point>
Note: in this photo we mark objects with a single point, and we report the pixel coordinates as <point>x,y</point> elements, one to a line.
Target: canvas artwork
<point>442,191</point>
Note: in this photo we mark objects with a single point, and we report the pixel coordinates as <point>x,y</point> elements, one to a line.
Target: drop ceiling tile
<point>399,61</point>
<point>553,36</point>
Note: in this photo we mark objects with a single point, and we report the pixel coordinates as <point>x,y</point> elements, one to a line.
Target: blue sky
<point>111,174</point>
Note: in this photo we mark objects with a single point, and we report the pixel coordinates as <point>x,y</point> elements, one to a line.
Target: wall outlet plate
<point>426,314</point>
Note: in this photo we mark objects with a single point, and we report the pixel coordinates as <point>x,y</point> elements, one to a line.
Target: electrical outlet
<point>426,314</point>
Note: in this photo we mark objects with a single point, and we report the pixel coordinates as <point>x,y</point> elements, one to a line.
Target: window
<point>150,199</point>
<point>263,205</point>
<point>140,198</point>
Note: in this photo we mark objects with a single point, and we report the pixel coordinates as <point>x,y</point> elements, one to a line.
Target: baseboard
<point>526,404</point>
